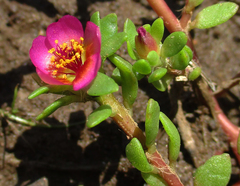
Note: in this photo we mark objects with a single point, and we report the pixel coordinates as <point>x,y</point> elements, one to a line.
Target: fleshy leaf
<point>195,73</point>
<point>192,4</point>
<point>137,157</point>
<point>173,44</point>
<point>63,101</point>
<point>112,44</point>
<point>153,58</point>
<point>130,30</point>
<point>142,66</point>
<point>56,89</point>
<point>157,75</point>
<point>147,27</point>
<point>180,61</point>
<point>138,75</point>
<point>95,18</point>
<point>153,179</point>
<point>174,137</point>
<point>215,172</point>
<point>99,115</point>
<point>108,26</point>
<point>152,122</point>
<point>157,30</point>
<point>102,85</point>
<point>129,80</point>
<point>214,15</point>
<point>163,83</point>
<point>117,76</point>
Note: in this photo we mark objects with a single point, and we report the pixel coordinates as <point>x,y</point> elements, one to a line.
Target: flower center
<point>66,60</point>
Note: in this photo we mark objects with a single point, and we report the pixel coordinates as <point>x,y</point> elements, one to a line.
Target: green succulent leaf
<point>195,2</point>
<point>56,89</point>
<point>63,101</point>
<point>153,58</point>
<point>173,44</point>
<point>174,137</point>
<point>95,18</point>
<point>99,115</point>
<point>214,15</point>
<point>138,75</point>
<point>157,30</point>
<point>153,179</point>
<point>180,61</point>
<point>108,27</point>
<point>194,74</point>
<point>157,75</point>
<point>129,80</point>
<point>152,122</point>
<point>142,66</point>
<point>137,157</point>
<point>163,83</point>
<point>112,44</point>
<point>117,76</point>
<point>98,86</point>
<point>147,27</point>
<point>130,30</point>
<point>215,172</point>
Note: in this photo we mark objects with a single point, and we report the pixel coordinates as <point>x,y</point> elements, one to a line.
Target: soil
<point>76,155</point>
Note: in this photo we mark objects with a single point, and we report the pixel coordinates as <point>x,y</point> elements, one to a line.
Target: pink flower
<point>67,55</point>
<point>145,43</point>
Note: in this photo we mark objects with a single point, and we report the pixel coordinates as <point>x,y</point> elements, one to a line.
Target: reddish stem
<point>163,11</point>
<point>164,170</point>
<point>231,130</point>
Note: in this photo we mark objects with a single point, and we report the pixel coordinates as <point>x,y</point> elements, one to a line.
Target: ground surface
<point>77,155</point>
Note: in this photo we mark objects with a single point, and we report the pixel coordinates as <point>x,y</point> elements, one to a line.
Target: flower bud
<point>145,43</point>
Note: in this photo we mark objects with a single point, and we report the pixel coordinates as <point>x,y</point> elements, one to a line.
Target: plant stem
<point>124,120</point>
<point>163,11</point>
<point>122,117</point>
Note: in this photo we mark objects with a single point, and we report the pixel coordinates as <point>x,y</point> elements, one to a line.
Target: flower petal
<point>87,72</point>
<point>48,78</point>
<point>39,54</point>
<point>67,28</point>
<point>92,38</point>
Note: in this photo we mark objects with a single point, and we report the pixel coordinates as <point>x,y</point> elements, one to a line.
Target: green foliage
<point>173,44</point>
<point>152,122</point>
<point>98,86</point>
<point>215,172</point>
<point>129,80</point>
<point>56,89</point>
<point>153,179</point>
<point>163,83</point>
<point>142,66</point>
<point>157,30</point>
<point>214,15</point>
<point>99,115</point>
<point>111,39</point>
<point>63,101</point>
<point>174,137</point>
<point>153,58</point>
<point>137,157</point>
<point>181,60</point>
<point>194,74</point>
<point>157,74</point>
<point>112,44</point>
<point>95,18</point>
<point>130,30</point>
<point>117,76</point>
<point>195,3</point>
